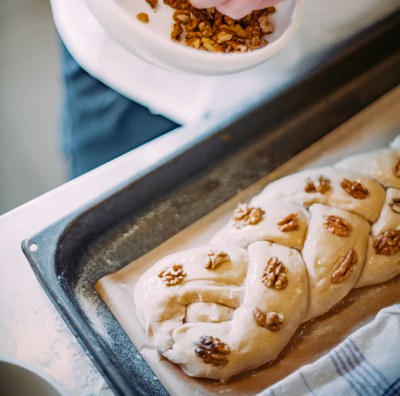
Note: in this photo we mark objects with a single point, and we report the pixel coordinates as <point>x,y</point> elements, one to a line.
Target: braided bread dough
<point>288,256</point>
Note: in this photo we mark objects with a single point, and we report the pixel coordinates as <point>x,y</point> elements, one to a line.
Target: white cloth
<point>367,363</point>
<point>187,98</point>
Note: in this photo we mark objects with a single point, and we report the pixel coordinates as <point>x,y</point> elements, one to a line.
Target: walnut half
<point>271,321</point>
<point>387,242</point>
<point>354,188</point>
<point>215,258</point>
<point>173,276</point>
<point>321,184</point>
<point>289,223</point>
<point>337,225</point>
<point>212,350</point>
<point>274,275</point>
<point>245,215</point>
<point>345,268</point>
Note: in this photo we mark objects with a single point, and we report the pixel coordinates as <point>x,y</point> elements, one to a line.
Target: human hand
<point>235,9</point>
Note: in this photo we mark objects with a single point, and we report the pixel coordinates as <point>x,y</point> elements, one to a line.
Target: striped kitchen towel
<point>367,363</point>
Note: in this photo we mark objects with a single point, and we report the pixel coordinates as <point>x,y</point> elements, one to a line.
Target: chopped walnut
<point>345,268</point>
<point>274,275</point>
<point>320,184</point>
<point>289,223</point>
<point>245,215</point>
<point>212,350</point>
<point>387,242</point>
<point>265,24</point>
<point>337,226</point>
<point>173,276</point>
<point>395,205</point>
<point>354,189</point>
<point>143,17</point>
<point>215,258</point>
<point>176,32</point>
<point>396,168</point>
<point>182,17</point>
<point>271,321</point>
<point>153,3</point>
<point>208,29</point>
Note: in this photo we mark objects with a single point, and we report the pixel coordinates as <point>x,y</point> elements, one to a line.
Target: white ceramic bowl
<point>21,378</point>
<point>152,42</point>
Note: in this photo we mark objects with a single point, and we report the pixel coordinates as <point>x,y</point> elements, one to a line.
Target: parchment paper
<point>375,127</point>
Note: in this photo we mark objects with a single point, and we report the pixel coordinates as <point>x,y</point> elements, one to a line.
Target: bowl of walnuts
<point>175,35</point>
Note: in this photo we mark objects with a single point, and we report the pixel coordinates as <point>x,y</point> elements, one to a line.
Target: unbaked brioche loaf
<point>289,255</point>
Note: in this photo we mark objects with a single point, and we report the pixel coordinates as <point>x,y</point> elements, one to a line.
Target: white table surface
<point>30,327</point>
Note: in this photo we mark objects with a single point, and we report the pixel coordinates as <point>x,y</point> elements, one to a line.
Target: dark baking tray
<point>68,257</point>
